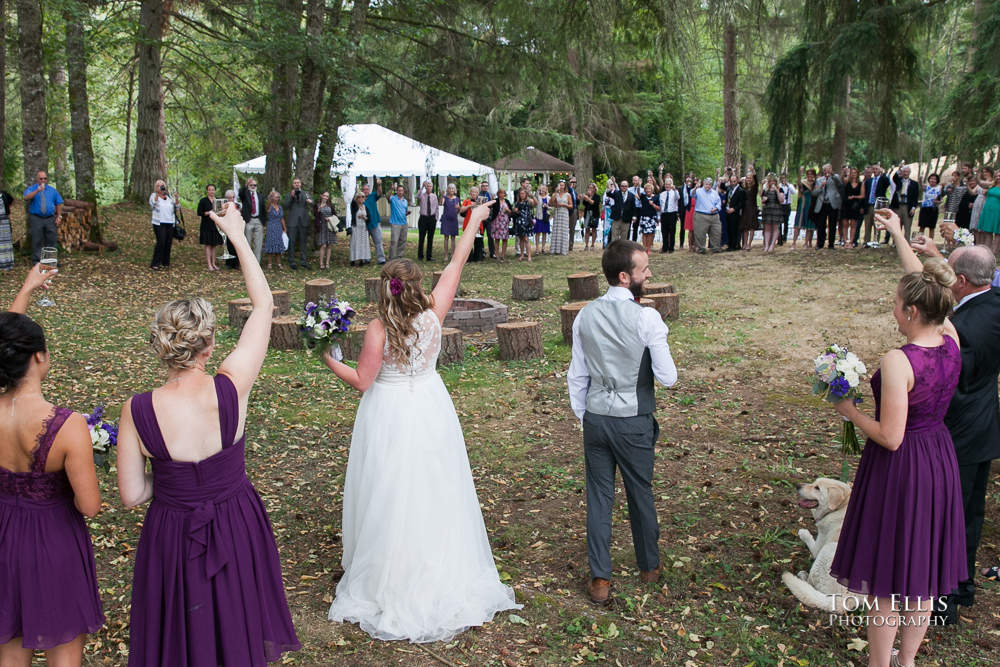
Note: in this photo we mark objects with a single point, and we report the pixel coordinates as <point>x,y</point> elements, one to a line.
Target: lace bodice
<point>424,349</point>
<point>38,484</point>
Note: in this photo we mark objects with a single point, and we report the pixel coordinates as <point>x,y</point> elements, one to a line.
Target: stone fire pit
<point>476,315</point>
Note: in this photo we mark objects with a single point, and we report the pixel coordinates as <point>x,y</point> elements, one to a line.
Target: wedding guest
<point>417,560</point>
<point>986,177</point>
<point>907,489</point>
<point>591,215</point>
<point>233,262</point>
<point>787,190</point>
<point>486,197</point>
<point>573,211</point>
<point>6,237</point>
<point>734,212</point>
<point>722,187</point>
<point>361,252</point>
<point>274,243</point>
<point>750,220</point>
<point>374,219</point>
<point>649,216</point>
<point>48,577</point>
<point>562,203</point>
<point>827,201</point>
<point>542,227</point>
<point>963,218</point>
<point>500,215</point>
<point>449,221</point>
<point>618,349</point>
<point>631,205</point>
<point>929,205</point>
<point>427,202</point>
<point>45,214</point>
<point>614,204</point>
<point>478,253</point>
<point>325,236</point>
<point>875,187</point>
<point>771,199</point>
<point>989,219</point>
<point>954,193</point>
<point>523,223</point>
<point>670,207</point>
<point>905,198</point>
<point>208,235</point>
<point>252,207</point>
<point>207,587</point>
<point>163,219</point>
<point>803,211</point>
<point>296,207</point>
<point>690,185</point>
<point>399,206</point>
<point>851,211</point>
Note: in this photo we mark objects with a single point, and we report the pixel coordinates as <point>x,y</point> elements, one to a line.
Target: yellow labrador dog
<point>827,498</point>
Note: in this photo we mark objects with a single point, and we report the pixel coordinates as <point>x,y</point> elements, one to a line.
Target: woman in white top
<point>162,205</point>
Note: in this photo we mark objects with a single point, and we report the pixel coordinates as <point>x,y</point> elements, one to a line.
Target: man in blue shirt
<point>397,223</point>
<point>374,219</point>
<point>44,214</point>
<point>706,217</point>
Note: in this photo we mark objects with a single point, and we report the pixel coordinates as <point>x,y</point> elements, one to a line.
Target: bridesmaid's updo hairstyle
<point>401,298</point>
<point>20,339</point>
<point>181,330</point>
<point>929,290</point>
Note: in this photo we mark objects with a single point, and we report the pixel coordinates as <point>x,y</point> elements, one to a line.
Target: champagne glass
<point>48,262</point>
<point>220,207</point>
<point>949,217</point>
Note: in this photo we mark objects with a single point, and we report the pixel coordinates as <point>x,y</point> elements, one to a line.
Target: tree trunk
<point>58,150</point>
<point>150,160</point>
<point>313,84</point>
<point>128,124</point>
<point>3,88</point>
<point>839,152</point>
<point>34,115</point>
<point>730,102</point>
<point>79,107</point>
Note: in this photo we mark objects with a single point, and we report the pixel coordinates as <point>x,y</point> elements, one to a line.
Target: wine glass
<point>48,263</point>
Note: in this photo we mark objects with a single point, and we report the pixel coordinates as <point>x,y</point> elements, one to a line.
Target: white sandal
<point>894,661</point>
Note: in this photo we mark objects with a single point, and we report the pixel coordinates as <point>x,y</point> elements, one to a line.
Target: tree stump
<point>319,291</point>
<point>520,341</point>
<point>350,346</point>
<point>658,288</point>
<point>373,288</point>
<point>436,276</point>
<point>452,347</point>
<point>243,314</point>
<point>527,288</point>
<point>234,306</point>
<point>567,315</point>
<point>582,286</point>
<point>647,303</point>
<point>668,305</point>
<point>285,333</point>
<point>282,300</point>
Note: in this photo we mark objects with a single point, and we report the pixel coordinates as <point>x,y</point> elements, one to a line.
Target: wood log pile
<point>78,217</point>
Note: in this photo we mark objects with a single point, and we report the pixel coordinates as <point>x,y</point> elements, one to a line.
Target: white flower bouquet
<point>838,377</point>
<point>324,326</point>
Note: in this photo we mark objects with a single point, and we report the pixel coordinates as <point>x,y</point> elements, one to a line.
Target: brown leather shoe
<point>600,590</point>
<point>651,576</point>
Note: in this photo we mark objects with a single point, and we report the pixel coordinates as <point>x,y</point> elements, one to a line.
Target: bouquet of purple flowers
<point>103,436</point>
<point>324,326</point>
<point>838,378</point>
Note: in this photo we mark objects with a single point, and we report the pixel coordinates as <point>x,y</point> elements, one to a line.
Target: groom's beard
<point>636,289</point>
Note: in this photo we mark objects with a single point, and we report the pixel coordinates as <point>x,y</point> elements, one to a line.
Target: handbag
<point>332,223</point>
<point>179,231</point>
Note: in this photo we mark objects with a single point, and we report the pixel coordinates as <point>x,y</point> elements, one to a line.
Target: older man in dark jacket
<point>297,206</point>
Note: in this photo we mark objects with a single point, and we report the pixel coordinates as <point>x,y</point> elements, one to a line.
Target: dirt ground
<point>738,431</point>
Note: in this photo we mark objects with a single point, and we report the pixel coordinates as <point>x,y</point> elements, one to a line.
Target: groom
<point>618,348</point>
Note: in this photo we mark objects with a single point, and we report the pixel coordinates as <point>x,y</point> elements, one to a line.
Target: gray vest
<point>621,372</point>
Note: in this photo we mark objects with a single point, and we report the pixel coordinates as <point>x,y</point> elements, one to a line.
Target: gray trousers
<point>619,229</point>
<point>298,235</point>
<point>376,236</point>
<point>707,224</point>
<point>625,443</point>
<point>905,221</point>
<point>254,231</point>
<point>43,235</point>
<point>397,241</point>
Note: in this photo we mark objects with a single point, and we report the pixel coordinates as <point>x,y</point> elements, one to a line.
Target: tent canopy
<point>533,161</point>
<point>369,149</point>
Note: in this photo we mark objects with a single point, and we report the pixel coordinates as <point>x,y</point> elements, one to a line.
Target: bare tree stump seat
<point>234,306</point>
<point>373,288</point>
<point>582,286</point>
<point>519,341</point>
<point>319,291</point>
<point>283,300</point>
<point>658,288</point>
<point>452,347</point>
<point>567,315</point>
<point>646,303</point>
<point>668,305</point>
<point>436,276</point>
<point>285,333</point>
<point>350,345</point>
<point>243,314</point>
<point>528,288</point>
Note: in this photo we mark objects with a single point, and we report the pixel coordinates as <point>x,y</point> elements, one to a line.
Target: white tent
<point>371,150</point>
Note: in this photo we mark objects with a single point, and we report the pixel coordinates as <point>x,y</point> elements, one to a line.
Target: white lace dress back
<point>424,346</point>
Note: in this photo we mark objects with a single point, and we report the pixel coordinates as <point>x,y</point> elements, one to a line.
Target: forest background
<point>108,96</point>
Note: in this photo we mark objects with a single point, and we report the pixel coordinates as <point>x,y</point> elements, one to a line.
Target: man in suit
<point>615,200</point>
<point>875,187</point>
<point>734,211</point>
<point>630,208</point>
<point>253,207</point>
<point>297,205</point>
<point>973,417</point>
<point>826,195</point>
<point>905,198</point>
<point>618,349</point>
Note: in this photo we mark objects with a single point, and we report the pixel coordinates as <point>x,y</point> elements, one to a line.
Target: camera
<point>219,203</point>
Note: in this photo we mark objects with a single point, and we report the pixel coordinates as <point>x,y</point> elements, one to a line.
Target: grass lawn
<point>737,432</point>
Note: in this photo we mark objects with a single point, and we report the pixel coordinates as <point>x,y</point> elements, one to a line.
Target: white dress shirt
<point>652,334</point>
<point>669,200</point>
<point>969,297</point>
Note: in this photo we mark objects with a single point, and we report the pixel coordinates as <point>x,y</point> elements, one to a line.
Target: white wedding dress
<point>417,561</point>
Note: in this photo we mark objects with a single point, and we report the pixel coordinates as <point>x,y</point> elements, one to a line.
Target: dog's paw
<point>805,536</point>
<point>803,575</point>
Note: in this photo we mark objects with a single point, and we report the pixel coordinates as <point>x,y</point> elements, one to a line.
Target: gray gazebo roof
<point>532,160</point>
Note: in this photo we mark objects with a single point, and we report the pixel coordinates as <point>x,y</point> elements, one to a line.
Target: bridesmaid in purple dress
<point>48,582</point>
<point>903,539</point>
<point>207,588</point>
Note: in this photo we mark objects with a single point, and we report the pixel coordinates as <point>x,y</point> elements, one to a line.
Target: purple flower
<point>96,416</point>
<point>840,388</point>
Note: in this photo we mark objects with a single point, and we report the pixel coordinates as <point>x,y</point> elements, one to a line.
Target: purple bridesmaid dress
<point>48,582</point>
<point>904,531</point>
<point>207,589</point>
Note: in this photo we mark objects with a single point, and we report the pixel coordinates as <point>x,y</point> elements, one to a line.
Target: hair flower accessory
<point>396,286</point>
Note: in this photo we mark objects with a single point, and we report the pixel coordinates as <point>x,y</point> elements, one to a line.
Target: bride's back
<point>424,345</point>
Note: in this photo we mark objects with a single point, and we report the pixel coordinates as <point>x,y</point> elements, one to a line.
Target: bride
<point>417,561</point>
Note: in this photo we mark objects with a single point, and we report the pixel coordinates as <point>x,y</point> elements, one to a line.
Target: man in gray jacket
<point>618,348</point>
<point>297,205</point>
<point>826,195</point>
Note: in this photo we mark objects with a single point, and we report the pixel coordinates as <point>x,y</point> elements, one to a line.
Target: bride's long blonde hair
<point>397,310</point>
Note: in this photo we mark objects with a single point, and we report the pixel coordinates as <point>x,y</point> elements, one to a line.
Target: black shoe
<point>429,258</point>
<point>947,616</point>
<point>420,258</point>
<point>663,251</point>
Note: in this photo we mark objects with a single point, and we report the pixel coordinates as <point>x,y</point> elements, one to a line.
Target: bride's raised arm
<point>444,293</point>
